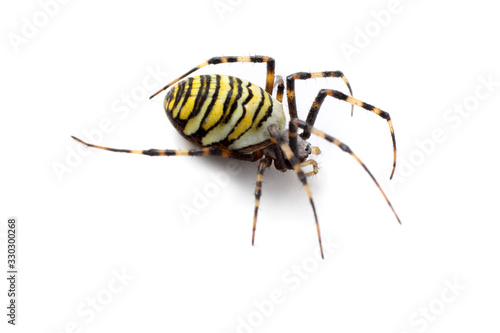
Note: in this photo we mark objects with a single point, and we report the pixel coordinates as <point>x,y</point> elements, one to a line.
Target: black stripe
<point>227,101</point>
<point>187,93</point>
<point>201,152</point>
<point>338,95</point>
<point>225,107</point>
<point>302,76</point>
<point>367,106</point>
<point>201,91</point>
<point>333,74</point>
<point>384,115</point>
<point>181,86</point>
<point>245,102</point>
<point>269,111</point>
<point>191,71</point>
<point>205,93</point>
<point>169,98</point>
<point>214,60</point>
<point>259,107</point>
<point>346,148</point>
<point>212,102</point>
<point>234,104</point>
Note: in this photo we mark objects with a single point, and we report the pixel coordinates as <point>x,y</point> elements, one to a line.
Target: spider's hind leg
<point>278,140</point>
<point>263,164</point>
<point>219,60</point>
<point>204,151</point>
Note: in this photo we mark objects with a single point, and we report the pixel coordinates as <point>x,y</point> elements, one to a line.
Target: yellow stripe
<point>175,112</point>
<point>172,100</point>
<point>243,59</point>
<point>345,80</point>
<point>377,111</point>
<point>250,108</point>
<point>218,107</point>
<point>194,123</point>
<point>189,105</point>
<point>263,110</point>
<point>354,101</point>
<point>222,130</point>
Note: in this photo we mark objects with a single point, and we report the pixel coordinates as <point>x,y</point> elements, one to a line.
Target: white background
<point>109,213</point>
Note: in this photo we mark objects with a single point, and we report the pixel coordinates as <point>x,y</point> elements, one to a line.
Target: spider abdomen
<point>224,111</point>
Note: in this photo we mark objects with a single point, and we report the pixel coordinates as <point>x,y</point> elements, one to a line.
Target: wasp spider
<point>230,117</point>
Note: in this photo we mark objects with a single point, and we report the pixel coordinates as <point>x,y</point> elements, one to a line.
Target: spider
<point>230,117</point>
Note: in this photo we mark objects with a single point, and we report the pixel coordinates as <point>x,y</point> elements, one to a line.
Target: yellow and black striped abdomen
<point>222,110</point>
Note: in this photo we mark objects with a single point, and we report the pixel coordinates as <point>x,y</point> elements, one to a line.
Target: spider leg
<point>277,139</point>
<point>205,151</point>
<point>292,140</point>
<point>281,88</point>
<point>263,164</point>
<point>313,163</point>
<point>218,60</point>
<point>302,124</point>
<point>290,87</point>
<point>313,113</point>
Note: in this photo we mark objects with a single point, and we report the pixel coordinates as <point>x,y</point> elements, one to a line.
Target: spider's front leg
<point>313,112</point>
<point>290,87</point>
<point>305,126</point>
<point>318,101</point>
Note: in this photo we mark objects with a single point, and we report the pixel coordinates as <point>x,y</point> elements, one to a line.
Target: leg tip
<point>392,173</point>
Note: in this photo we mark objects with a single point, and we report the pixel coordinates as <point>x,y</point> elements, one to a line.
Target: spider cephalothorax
<point>230,117</point>
<point>304,150</point>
